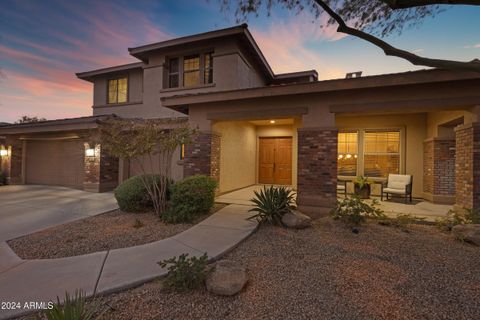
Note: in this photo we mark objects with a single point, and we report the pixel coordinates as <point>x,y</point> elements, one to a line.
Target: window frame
<point>181,72</point>
<point>170,73</point>
<point>127,96</point>
<point>361,149</point>
<point>184,72</point>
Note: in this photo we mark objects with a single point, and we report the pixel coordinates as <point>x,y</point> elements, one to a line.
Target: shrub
<point>354,211</point>
<point>132,196</point>
<point>185,273</point>
<point>272,203</point>
<point>190,198</point>
<point>459,216</point>
<point>73,308</point>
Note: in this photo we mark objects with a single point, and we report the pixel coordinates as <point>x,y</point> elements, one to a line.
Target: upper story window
<point>117,90</point>
<point>190,71</point>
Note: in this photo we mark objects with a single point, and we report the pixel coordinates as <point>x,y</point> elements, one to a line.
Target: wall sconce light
<point>3,152</point>
<point>90,152</point>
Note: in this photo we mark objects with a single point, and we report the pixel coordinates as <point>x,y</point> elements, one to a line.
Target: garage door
<point>58,162</point>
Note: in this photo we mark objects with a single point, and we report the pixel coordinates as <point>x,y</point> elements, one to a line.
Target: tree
<point>368,20</point>
<point>27,119</point>
<point>137,140</point>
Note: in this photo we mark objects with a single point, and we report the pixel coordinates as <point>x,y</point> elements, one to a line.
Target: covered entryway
<point>275,160</point>
<point>55,162</point>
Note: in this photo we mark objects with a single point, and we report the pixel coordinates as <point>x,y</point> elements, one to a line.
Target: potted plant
<point>362,187</point>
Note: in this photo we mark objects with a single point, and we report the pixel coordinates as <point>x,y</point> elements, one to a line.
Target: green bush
<point>185,273</point>
<point>354,211</point>
<point>73,308</point>
<point>190,198</point>
<point>132,196</point>
<point>459,216</point>
<point>272,203</point>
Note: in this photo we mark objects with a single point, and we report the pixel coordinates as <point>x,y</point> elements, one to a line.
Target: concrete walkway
<point>43,280</point>
<point>25,209</point>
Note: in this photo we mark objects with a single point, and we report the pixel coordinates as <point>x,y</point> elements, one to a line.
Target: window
<point>117,90</point>
<point>191,71</point>
<point>173,73</point>
<point>382,153</point>
<point>208,76</point>
<point>368,152</point>
<point>347,153</point>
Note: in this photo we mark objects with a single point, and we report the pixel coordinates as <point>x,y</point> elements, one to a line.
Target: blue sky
<point>43,43</point>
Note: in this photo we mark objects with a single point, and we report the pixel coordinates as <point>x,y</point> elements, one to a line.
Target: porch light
<point>90,152</point>
<point>3,152</point>
<point>272,121</point>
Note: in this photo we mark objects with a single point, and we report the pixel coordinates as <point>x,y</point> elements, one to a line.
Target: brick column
<point>15,160</point>
<point>101,170</point>
<point>317,169</point>
<point>439,170</point>
<point>202,156</point>
<point>467,166</point>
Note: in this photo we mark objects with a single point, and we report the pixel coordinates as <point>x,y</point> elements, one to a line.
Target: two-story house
<point>258,127</point>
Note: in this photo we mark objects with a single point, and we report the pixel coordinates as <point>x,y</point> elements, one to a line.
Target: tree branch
<point>392,51</point>
<point>405,4</point>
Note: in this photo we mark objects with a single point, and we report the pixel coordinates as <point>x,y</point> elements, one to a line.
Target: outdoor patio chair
<point>398,184</point>
<point>342,187</point>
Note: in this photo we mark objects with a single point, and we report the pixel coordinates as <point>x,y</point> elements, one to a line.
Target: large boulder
<point>228,278</point>
<point>467,232</point>
<point>296,220</point>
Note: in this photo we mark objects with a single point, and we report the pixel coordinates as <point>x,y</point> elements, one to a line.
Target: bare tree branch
<point>392,51</point>
<point>404,4</point>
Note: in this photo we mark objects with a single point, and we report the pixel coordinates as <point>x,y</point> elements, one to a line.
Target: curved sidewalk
<point>107,271</point>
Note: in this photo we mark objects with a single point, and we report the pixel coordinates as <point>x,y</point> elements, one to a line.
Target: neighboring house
<point>260,127</point>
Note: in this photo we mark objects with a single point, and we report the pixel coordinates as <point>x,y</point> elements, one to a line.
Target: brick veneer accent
<point>202,156</point>
<point>16,156</point>
<point>467,166</point>
<point>317,169</point>
<point>439,170</point>
<point>101,171</point>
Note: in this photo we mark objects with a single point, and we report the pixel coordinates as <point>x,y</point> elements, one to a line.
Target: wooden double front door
<point>275,161</point>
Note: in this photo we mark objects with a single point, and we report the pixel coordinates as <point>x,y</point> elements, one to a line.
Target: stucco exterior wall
<point>154,166</point>
<point>237,154</point>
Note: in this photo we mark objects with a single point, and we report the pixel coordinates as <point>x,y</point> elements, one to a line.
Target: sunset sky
<point>43,43</point>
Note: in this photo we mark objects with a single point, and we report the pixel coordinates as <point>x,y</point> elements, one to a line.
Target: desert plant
<point>272,203</point>
<point>354,211</point>
<point>362,187</point>
<point>190,198</point>
<point>132,195</point>
<point>459,216</point>
<point>73,308</point>
<point>185,273</point>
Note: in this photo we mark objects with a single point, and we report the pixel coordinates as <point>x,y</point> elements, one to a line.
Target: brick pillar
<point>101,170</point>
<point>15,160</point>
<point>467,166</point>
<point>317,169</point>
<point>5,160</point>
<point>202,156</point>
<point>439,170</point>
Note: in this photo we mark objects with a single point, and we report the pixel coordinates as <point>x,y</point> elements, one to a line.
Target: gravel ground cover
<point>327,272</point>
<point>111,230</point>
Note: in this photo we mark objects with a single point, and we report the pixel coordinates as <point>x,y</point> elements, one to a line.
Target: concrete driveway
<point>25,209</point>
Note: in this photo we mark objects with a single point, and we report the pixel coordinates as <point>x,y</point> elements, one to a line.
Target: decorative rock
<point>227,279</point>
<point>296,220</point>
<point>467,232</point>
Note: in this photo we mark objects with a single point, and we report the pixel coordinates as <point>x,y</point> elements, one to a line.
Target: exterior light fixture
<point>272,121</point>
<point>3,152</point>
<point>90,152</point>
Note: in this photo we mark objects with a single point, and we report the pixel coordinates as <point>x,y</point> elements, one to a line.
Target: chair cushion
<point>398,181</point>
<point>391,190</point>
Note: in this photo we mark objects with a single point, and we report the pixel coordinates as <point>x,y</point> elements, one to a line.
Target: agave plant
<point>73,308</point>
<point>272,203</point>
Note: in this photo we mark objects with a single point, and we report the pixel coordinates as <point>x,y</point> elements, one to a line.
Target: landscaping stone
<point>467,232</point>
<point>227,279</point>
<point>296,220</point>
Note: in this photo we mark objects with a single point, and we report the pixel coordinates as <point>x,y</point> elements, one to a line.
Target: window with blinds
<point>117,90</point>
<point>381,153</point>
<point>347,153</point>
<point>191,71</point>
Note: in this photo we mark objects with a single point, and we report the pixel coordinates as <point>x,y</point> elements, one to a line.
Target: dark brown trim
<point>258,115</point>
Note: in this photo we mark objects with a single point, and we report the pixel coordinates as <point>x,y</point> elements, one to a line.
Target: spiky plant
<point>73,308</point>
<point>272,203</point>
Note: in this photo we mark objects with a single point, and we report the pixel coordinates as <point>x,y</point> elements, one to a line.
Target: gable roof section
<point>89,75</point>
<point>241,32</point>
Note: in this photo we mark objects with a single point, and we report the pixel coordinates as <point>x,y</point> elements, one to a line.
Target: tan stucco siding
<point>414,133</point>
<point>153,166</point>
<point>237,154</point>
